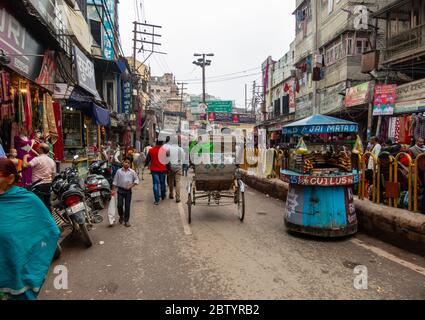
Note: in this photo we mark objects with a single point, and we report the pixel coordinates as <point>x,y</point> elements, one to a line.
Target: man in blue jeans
<point>156,159</point>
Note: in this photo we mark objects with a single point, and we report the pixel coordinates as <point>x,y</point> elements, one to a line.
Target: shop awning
<point>86,104</point>
<point>319,124</point>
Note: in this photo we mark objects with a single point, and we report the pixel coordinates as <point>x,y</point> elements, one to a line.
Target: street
<point>217,257</point>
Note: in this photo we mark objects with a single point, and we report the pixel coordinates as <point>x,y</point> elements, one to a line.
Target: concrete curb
<point>402,228</point>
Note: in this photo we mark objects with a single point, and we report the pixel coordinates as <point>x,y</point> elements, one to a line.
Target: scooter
<point>98,187</point>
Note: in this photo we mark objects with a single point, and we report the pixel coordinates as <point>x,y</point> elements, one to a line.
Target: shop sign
<point>222,117</point>
<point>126,97</point>
<point>358,95</point>
<point>24,51</point>
<point>246,119</point>
<point>85,71</point>
<point>321,129</point>
<point>331,100</point>
<point>409,107</point>
<point>384,102</point>
<point>320,181</point>
<point>411,91</point>
<point>220,106</point>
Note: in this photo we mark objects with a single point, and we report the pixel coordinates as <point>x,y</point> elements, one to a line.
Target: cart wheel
<point>189,208</point>
<point>241,205</point>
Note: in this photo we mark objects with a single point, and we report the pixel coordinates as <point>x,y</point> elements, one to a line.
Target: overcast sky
<point>241,34</point>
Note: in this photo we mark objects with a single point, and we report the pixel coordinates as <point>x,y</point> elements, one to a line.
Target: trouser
<point>174,177</point>
<point>185,169</point>
<point>43,191</point>
<point>124,198</point>
<point>159,187</point>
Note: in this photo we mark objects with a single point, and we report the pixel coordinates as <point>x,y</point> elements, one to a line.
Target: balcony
<point>405,45</point>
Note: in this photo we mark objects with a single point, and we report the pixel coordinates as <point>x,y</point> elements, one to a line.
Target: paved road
<point>217,257</point>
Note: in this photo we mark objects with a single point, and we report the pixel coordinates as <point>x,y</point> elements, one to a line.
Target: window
<point>349,49</point>
<point>362,46</point>
<point>96,31</point>
<point>110,94</point>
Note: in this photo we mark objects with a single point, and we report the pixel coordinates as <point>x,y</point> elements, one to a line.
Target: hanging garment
<point>316,74</point>
<point>58,147</point>
<point>20,144</point>
<point>392,128</point>
<point>383,134</point>
<point>28,109</point>
<point>397,131</point>
<point>286,87</point>
<point>50,117</point>
<point>5,131</point>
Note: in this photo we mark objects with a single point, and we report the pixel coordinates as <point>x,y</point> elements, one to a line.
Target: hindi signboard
<point>85,71</point>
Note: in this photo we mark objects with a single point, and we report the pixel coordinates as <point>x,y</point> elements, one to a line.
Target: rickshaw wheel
<point>241,205</point>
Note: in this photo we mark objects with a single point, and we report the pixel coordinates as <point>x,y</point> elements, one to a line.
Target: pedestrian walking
<point>156,160</point>
<point>176,157</point>
<point>117,158</point>
<point>28,238</point>
<point>124,182</point>
<point>43,172</point>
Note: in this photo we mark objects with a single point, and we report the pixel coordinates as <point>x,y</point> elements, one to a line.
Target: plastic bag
<point>358,146</point>
<point>301,147</point>
<point>112,210</point>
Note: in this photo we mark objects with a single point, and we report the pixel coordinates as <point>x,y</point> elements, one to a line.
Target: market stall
<point>321,177</point>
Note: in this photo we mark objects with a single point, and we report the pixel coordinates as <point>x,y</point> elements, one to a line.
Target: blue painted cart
<point>320,205</point>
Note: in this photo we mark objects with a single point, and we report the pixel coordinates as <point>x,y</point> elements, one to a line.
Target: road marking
<point>183,217</point>
<point>389,256</point>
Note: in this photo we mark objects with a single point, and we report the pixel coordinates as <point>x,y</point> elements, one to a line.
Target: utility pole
<point>139,37</point>
<point>201,62</point>
<point>246,98</point>
<point>182,84</point>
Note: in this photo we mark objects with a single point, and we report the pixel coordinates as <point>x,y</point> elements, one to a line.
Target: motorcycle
<point>71,207</point>
<point>98,185</point>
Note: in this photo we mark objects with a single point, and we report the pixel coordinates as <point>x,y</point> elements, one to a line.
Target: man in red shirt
<point>157,161</point>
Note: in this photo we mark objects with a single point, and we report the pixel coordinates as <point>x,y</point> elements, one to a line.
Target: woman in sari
<point>28,238</point>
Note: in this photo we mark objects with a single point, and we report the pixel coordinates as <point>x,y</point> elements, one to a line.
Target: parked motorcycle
<point>70,205</point>
<point>98,187</point>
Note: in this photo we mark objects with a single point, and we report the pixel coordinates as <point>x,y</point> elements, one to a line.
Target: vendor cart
<point>321,178</point>
<point>217,182</point>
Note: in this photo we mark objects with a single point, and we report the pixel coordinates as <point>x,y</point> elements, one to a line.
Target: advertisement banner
<point>85,71</point>
<point>384,102</point>
<point>171,123</point>
<point>108,37</point>
<point>358,95</point>
<point>24,51</point>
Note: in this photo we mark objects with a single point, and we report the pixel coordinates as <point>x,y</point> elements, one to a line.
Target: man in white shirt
<point>376,151</point>
<point>43,172</point>
<point>176,156</point>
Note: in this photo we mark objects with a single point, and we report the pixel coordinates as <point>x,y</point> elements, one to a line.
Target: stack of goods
<point>308,166</point>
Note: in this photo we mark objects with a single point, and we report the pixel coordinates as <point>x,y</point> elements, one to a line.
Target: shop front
<point>28,114</point>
